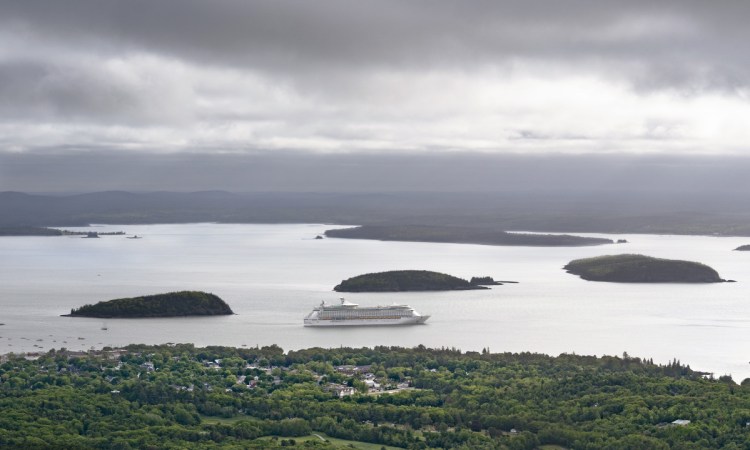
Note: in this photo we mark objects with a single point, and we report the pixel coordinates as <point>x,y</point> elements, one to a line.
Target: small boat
<point>135,236</point>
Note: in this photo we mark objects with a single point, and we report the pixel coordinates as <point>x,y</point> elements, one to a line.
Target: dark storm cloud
<point>36,91</point>
<point>692,43</point>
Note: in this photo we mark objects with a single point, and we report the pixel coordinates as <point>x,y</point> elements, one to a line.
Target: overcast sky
<point>333,76</point>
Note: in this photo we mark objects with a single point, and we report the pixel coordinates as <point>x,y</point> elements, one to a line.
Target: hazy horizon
<point>577,175</point>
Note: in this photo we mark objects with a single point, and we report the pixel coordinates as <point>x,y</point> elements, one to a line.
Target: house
<point>114,354</point>
<point>680,422</point>
<point>340,390</point>
<point>216,364</point>
<point>352,370</point>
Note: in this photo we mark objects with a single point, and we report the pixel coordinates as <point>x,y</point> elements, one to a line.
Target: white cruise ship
<point>351,314</point>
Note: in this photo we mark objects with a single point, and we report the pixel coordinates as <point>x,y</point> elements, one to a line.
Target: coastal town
<point>343,381</point>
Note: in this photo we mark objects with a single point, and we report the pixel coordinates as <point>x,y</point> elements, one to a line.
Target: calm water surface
<point>272,275</point>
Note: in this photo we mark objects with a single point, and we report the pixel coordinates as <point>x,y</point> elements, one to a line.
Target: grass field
<point>212,420</point>
<point>342,442</point>
<point>315,436</point>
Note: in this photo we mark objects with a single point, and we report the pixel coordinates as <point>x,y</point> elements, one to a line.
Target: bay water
<point>273,275</point>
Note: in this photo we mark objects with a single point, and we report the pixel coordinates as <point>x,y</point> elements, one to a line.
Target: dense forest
<point>405,280</point>
<point>463,235</point>
<point>642,269</point>
<point>172,304</point>
<point>178,396</point>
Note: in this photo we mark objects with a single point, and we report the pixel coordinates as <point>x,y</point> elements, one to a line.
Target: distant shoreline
<point>464,235</point>
<point>549,212</point>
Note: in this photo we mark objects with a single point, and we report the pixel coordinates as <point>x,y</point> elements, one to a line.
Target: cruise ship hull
<point>347,314</point>
<point>316,322</point>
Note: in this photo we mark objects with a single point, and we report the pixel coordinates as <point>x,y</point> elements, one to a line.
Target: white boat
<point>351,314</point>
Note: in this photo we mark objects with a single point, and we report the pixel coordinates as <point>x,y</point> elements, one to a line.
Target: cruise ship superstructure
<point>351,314</point>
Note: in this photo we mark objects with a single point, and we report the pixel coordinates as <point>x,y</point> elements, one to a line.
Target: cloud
<point>340,76</point>
<point>350,35</point>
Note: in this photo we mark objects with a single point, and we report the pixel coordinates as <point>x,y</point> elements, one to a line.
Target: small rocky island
<point>484,281</point>
<point>172,304</point>
<point>404,281</point>
<point>743,248</point>
<point>631,268</point>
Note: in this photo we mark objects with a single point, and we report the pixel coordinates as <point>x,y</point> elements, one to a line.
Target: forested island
<point>182,397</point>
<point>630,268</point>
<point>463,235</point>
<point>405,280</point>
<point>743,248</point>
<point>91,233</point>
<point>172,304</point>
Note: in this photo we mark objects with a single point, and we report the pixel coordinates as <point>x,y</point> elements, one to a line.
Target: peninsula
<point>631,268</point>
<point>405,280</point>
<point>743,248</point>
<point>463,235</point>
<point>172,304</point>
<point>29,231</point>
<point>46,231</point>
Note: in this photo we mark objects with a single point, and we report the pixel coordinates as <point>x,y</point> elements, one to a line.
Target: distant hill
<point>743,248</point>
<point>405,280</point>
<point>641,269</point>
<point>463,235</point>
<point>173,304</point>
